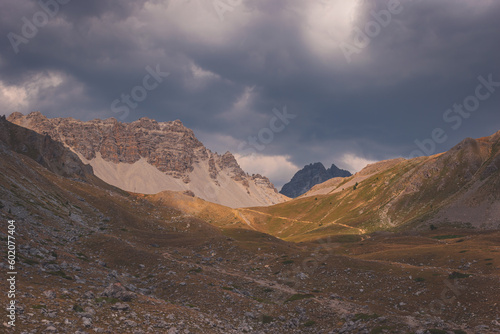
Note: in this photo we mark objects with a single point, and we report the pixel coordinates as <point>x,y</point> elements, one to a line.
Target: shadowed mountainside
<point>43,149</point>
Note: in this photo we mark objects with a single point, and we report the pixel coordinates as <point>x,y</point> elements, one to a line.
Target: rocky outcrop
<point>310,176</point>
<point>122,154</point>
<point>228,162</point>
<point>41,148</point>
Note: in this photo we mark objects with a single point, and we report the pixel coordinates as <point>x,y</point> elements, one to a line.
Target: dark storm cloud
<point>226,76</point>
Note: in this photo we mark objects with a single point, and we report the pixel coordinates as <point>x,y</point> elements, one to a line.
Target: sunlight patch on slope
<point>142,177</point>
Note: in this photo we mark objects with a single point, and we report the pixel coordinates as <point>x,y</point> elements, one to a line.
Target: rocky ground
<point>118,264</point>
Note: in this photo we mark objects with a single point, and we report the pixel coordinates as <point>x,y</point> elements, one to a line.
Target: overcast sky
<point>280,83</point>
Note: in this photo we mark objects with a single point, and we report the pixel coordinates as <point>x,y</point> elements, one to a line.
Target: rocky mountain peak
<point>228,161</point>
<point>309,176</point>
<point>15,115</point>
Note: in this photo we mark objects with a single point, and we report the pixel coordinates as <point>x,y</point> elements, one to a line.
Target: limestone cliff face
<point>170,147</point>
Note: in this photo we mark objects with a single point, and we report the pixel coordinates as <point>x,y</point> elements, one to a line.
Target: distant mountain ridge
<point>309,176</point>
<point>148,157</point>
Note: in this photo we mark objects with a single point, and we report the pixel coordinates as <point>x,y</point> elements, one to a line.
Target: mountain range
<point>455,188</point>
<point>148,157</point>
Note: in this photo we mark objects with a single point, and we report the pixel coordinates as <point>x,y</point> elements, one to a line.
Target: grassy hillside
<point>407,194</point>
